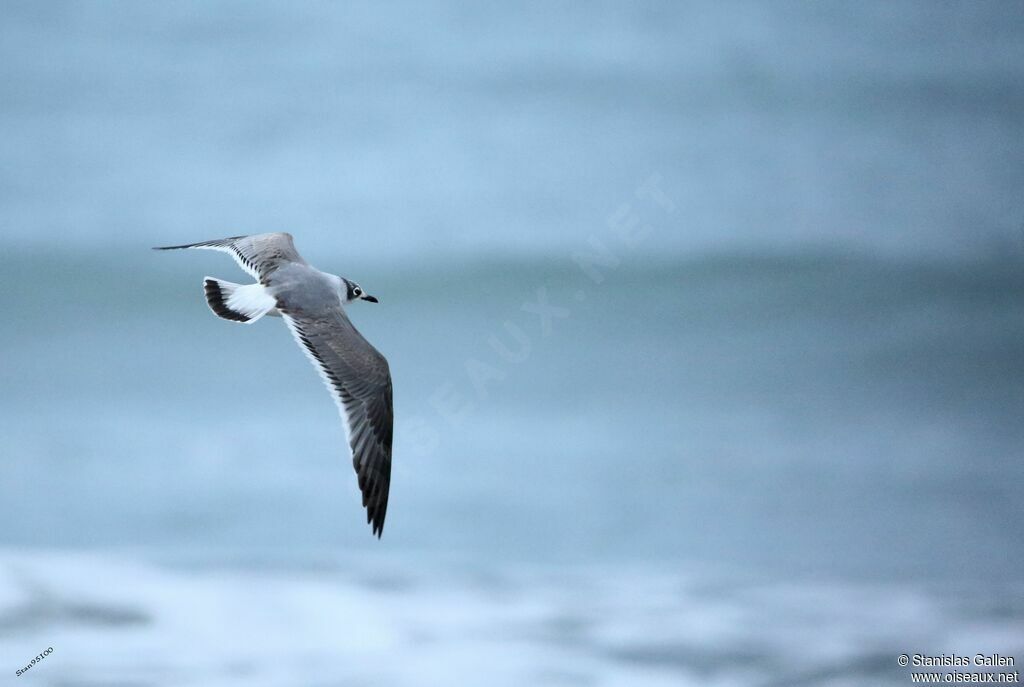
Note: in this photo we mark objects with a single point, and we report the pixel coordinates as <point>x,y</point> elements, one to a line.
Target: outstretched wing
<point>358,378</point>
<point>259,254</point>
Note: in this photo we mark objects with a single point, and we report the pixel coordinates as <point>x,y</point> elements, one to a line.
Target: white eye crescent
<point>357,291</point>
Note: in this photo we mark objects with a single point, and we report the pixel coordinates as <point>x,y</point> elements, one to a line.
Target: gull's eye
<point>357,291</point>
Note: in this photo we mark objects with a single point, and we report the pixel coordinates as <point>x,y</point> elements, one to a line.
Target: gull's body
<point>312,303</point>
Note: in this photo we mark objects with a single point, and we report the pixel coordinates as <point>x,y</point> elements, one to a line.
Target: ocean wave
<point>120,620</point>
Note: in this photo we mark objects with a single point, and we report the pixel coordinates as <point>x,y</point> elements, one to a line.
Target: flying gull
<point>312,304</point>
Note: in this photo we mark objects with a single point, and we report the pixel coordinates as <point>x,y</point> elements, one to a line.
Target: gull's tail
<point>238,303</point>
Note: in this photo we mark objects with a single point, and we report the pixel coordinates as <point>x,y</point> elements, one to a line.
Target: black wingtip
<point>375,519</point>
<point>378,523</point>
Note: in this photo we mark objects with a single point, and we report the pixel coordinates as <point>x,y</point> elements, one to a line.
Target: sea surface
<point>706,325</point>
<point>742,470</point>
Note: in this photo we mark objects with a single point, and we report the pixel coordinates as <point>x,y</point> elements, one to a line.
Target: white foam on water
<point>118,620</point>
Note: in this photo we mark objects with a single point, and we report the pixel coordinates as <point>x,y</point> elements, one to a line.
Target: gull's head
<point>354,292</point>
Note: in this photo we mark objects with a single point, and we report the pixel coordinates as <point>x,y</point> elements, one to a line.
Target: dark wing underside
<point>358,378</point>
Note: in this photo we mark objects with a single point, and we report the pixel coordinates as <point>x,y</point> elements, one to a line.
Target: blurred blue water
<point>817,414</point>
<point>426,130</point>
<point>803,363</point>
<point>693,445</point>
